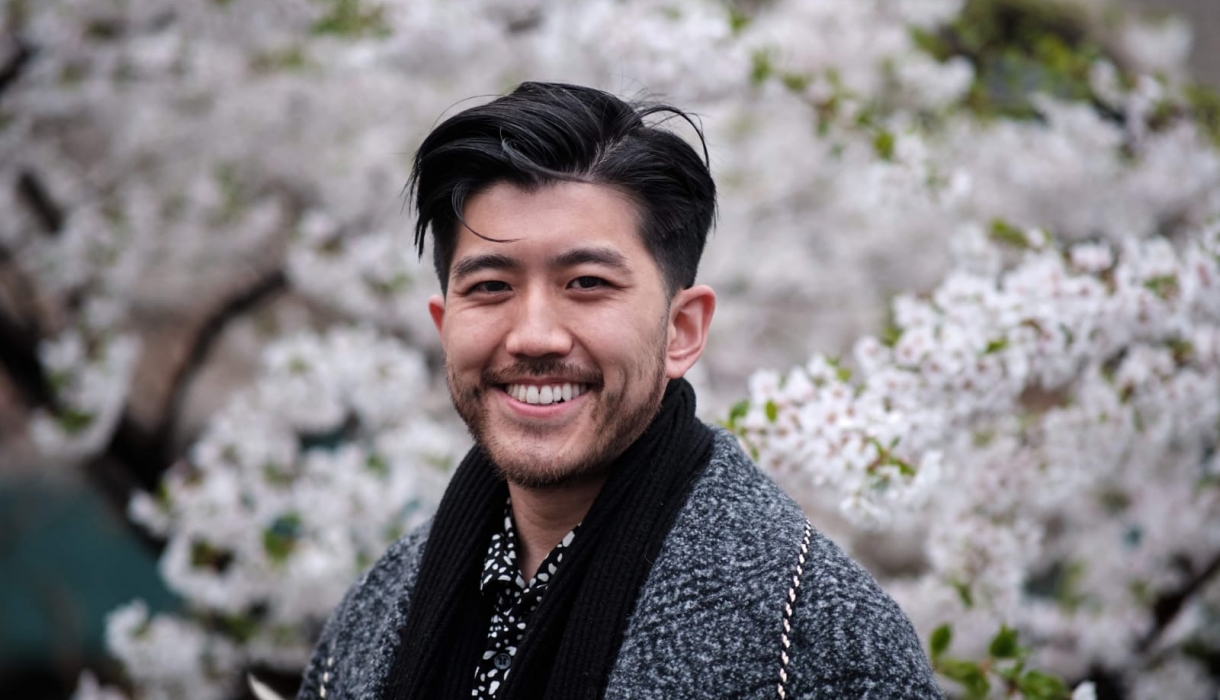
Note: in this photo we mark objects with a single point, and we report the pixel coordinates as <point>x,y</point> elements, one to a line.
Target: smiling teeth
<point>545,395</point>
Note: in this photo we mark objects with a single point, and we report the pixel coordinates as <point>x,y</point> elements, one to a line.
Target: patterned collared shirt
<point>514,601</point>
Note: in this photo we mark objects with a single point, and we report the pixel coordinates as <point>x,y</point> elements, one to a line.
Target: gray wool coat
<point>724,613</point>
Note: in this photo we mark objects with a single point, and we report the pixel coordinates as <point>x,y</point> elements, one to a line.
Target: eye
<point>488,287</point>
<point>587,282</point>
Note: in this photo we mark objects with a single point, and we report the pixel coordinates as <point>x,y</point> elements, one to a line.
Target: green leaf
<point>234,196</point>
<point>796,82</point>
<point>934,45</point>
<point>995,346</point>
<point>1005,233</point>
<point>772,411</point>
<point>1183,350</point>
<point>1004,644</point>
<point>1164,286</point>
<point>963,592</point>
<point>1205,105</point>
<point>205,555</point>
<point>240,628</point>
<point>74,421</point>
<point>348,18</point>
<point>281,537</point>
<point>842,373</point>
<point>967,673</point>
<point>395,285</point>
<point>761,66</point>
<point>887,458</point>
<point>291,58</point>
<point>377,464</point>
<point>738,20</point>
<point>276,474</point>
<point>58,381</point>
<point>939,642</point>
<point>737,412</point>
<point>883,144</point>
<point>1036,685</point>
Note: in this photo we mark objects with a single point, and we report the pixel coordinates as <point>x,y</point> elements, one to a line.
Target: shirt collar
<point>500,563</point>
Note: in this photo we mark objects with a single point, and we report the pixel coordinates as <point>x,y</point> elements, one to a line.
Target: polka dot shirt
<point>514,601</point>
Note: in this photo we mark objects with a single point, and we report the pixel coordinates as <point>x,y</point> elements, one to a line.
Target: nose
<point>538,328</point>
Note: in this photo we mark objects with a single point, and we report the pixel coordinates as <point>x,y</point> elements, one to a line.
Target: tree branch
<point>15,65</point>
<point>1169,605</point>
<point>19,356</point>
<point>205,339</point>
<point>35,195</point>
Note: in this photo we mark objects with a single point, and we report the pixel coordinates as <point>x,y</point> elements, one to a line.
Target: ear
<point>436,308</point>
<point>690,315</point>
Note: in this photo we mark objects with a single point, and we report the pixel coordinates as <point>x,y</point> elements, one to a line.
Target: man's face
<point>555,334</point>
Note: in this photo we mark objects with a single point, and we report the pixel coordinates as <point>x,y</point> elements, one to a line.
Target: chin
<point>522,464</point>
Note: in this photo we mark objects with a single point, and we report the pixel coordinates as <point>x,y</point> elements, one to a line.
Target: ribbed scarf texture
<point>573,637</point>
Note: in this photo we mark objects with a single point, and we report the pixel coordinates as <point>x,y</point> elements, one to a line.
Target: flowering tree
<point>1025,453</point>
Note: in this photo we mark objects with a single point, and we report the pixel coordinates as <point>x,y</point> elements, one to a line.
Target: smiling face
<point>559,336</point>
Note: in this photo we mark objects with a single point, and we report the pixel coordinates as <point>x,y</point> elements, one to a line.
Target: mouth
<point>545,394</point>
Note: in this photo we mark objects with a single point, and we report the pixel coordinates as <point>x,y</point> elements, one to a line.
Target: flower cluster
<point>295,487</point>
<point>1049,429</point>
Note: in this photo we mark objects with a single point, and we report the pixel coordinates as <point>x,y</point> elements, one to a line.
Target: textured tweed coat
<point>713,618</point>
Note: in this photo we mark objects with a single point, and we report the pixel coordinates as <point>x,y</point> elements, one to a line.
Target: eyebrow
<point>489,261</point>
<point>596,256</point>
<point>571,258</point>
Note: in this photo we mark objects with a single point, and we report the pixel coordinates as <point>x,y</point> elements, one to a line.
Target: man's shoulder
<point>735,508</point>
<point>743,577</point>
<point>850,638</point>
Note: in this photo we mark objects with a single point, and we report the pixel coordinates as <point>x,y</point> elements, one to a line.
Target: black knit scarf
<point>573,637</point>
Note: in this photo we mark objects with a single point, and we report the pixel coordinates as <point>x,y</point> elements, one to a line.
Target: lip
<point>530,410</point>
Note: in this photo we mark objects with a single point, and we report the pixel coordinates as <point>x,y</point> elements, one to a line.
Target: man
<point>599,541</point>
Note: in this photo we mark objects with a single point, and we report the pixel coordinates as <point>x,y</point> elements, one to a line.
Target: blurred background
<point>219,394</point>
<point>1202,15</point>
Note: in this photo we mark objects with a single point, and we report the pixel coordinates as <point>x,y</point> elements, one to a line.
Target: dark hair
<point>542,133</point>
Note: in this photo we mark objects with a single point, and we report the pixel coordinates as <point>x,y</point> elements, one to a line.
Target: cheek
<point>472,341</point>
<point>629,344</point>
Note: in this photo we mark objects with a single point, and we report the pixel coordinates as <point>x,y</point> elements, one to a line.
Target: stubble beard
<point>615,423</point>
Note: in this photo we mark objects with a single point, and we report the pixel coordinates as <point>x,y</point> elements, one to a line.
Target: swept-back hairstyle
<point>542,133</point>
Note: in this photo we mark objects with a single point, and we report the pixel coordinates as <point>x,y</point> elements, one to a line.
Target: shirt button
<point>502,661</point>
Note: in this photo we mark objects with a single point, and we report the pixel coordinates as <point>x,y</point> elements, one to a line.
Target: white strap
<point>785,642</point>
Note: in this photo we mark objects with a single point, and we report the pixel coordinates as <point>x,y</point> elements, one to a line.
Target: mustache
<point>553,369</point>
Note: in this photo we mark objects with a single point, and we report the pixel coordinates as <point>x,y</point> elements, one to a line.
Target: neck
<point>544,517</point>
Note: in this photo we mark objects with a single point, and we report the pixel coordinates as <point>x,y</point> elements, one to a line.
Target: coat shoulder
<point>850,638</point>
<point>710,619</point>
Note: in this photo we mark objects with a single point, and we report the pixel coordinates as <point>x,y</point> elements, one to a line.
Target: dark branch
<point>22,290</point>
<point>1169,605</point>
<point>205,339</point>
<point>35,195</point>
<point>19,356</point>
<point>131,446</point>
<point>15,65</point>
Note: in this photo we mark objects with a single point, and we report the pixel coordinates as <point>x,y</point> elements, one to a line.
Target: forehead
<point>519,222</point>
